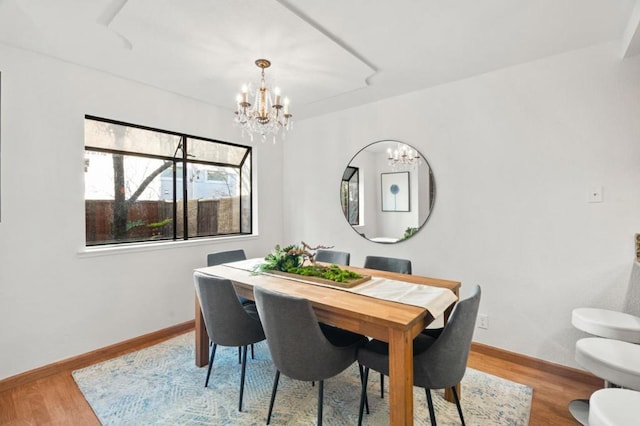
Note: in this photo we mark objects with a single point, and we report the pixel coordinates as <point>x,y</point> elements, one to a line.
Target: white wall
<point>514,153</point>
<point>54,302</point>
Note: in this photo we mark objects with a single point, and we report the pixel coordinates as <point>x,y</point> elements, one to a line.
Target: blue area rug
<point>161,385</point>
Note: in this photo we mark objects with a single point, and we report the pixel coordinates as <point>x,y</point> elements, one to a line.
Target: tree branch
<point>164,166</point>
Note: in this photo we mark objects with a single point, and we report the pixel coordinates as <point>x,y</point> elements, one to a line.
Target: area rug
<point>161,385</point>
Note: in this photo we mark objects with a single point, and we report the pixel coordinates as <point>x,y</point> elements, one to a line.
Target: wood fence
<point>148,220</point>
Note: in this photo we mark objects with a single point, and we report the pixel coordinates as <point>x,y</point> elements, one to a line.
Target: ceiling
<point>326,55</point>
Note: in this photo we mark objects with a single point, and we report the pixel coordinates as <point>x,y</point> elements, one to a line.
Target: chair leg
<point>363,394</point>
<point>213,353</point>
<point>455,397</point>
<point>381,385</point>
<point>239,354</point>
<point>242,376</point>
<point>273,395</point>
<point>432,412</point>
<point>366,399</point>
<point>320,398</point>
<point>253,356</point>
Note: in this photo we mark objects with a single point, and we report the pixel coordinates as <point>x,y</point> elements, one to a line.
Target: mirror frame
<point>347,175</point>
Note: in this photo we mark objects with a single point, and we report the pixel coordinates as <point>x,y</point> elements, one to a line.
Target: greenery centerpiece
<point>300,260</point>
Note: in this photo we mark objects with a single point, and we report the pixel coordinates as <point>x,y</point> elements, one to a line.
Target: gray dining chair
<point>437,363</point>
<point>220,257</point>
<point>389,264</point>
<point>300,347</point>
<point>228,322</point>
<point>333,256</point>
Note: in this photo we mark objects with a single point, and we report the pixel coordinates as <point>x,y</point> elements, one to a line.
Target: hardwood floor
<point>56,400</point>
<point>552,390</point>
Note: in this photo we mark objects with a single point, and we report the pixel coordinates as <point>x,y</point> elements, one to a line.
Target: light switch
<point>595,194</point>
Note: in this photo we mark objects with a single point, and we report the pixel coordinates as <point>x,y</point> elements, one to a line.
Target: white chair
<point>614,356</point>
<point>607,323</point>
<point>615,361</point>
<point>614,407</point>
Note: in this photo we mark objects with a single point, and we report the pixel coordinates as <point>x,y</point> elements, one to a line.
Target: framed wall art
<point>394,189</point>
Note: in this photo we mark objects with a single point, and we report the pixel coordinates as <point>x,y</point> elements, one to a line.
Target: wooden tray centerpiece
<point>299,263</point>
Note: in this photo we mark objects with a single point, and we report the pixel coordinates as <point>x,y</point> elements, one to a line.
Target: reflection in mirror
<point>387,191</point>
<point>349,195</point>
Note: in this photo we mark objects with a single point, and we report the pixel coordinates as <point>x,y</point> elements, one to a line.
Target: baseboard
<point>538,364</point>
<point>136,343</point>
<point>96,356</point>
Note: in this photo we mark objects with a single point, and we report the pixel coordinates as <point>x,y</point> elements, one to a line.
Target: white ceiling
<point>327,55</point>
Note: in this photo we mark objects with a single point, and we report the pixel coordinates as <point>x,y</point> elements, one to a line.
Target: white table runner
<point>434,299</point>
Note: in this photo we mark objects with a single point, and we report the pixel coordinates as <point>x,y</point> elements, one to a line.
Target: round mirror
<point>387,191</point>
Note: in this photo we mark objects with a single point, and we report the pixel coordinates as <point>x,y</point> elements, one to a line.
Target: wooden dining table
<point>392,322</point>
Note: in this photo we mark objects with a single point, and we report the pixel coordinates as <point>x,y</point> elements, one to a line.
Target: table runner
<point>434,299</point>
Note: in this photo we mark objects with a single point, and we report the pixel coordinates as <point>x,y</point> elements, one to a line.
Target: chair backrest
<point>227,322</point>
<point>390,264</point>
<point>333,256</point>
<point>220,257</point>
<point>445,362</point>
<point>298,347</point>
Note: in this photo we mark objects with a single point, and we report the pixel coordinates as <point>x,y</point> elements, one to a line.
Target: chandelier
<point>403,157</point>
<point>266,116</point>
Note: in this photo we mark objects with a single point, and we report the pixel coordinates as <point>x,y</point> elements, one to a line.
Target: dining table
<point>395,322</point>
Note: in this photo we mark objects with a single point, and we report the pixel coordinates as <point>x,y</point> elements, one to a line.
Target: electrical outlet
<point>483,321</point>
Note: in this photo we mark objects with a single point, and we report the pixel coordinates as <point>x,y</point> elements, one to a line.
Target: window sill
<point>108,250</point>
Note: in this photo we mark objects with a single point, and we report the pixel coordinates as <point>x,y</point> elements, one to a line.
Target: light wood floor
<point>56,400</point>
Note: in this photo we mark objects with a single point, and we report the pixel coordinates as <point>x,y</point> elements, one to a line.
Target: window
<point>145,184</point>
<point>350,195</point>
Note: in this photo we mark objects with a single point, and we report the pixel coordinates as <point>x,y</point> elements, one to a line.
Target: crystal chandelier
<point>266,116</point>
<point>403,157</point>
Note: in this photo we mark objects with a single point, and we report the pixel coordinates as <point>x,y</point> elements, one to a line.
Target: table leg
<point>400,378</point>
<point>202,338</point>
<point>448,394</point>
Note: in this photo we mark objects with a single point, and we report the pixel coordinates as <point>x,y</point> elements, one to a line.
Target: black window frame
<point>182,157</point>
<point>350,177</point>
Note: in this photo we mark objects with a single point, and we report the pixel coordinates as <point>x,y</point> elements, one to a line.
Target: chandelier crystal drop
<point>267,115</point>
<point>403,157</point>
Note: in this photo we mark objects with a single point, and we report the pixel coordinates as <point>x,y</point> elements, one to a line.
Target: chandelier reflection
<point>267,116</point>
<point>403,157</point>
